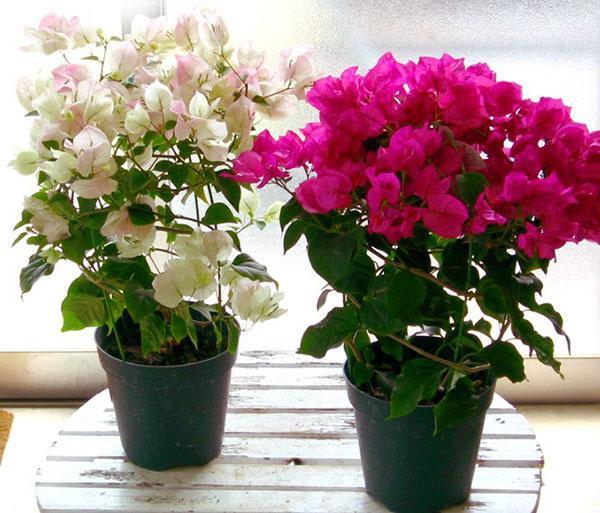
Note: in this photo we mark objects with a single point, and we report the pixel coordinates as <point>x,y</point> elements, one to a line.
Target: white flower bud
<point>216,246</point>
<point>137,120</point>
<point>199,106</point>
<point>158,97</point>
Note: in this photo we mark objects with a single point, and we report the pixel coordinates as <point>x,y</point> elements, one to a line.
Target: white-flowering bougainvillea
<point>131,142</point>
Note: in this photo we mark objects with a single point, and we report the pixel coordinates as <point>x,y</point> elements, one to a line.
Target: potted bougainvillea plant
<point>432,195</point>
<point>130,140</point>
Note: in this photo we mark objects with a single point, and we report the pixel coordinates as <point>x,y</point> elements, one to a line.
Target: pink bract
<point>404,137</point>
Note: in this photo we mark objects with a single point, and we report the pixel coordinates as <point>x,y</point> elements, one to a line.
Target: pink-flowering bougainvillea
<point>427,187</point>
<point>403,135</point>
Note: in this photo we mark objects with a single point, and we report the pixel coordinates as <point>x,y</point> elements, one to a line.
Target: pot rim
<point>386,402</point>
<point>118,361</point>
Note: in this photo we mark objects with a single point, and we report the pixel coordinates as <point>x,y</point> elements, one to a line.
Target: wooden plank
<point>311,424</point>
<point>59,499</point>
<point>297,400</point>
<point>496,452</point>
<point>119,474</point>
<point>307,377</point>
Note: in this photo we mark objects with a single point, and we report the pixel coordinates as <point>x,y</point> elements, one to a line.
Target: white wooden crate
<point>290,447</point>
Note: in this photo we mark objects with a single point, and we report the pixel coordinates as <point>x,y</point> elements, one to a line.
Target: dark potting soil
<point>388,368</point>
<point>175,354</point>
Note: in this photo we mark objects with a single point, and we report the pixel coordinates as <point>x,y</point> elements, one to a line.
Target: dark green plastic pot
<point>404,465</point>
<point>169,416</point>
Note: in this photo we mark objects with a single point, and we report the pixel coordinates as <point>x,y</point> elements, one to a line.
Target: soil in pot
<point>171,409</point>
<point>407,468</point>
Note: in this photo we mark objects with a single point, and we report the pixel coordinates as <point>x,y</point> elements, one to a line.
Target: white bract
<point>254,301</point>
<point>26,162</point>
<point>45,221</point>
<point>184,279</point>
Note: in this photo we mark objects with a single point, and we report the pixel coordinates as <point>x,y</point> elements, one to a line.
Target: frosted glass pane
<point>552,48</point>
<point>34,322</point>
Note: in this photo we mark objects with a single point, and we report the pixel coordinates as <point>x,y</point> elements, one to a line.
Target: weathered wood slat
<point>103,473</point>
<point>316,425</point>
<point>502,452</point>
<point>58,499</point>
<point>272,400</point>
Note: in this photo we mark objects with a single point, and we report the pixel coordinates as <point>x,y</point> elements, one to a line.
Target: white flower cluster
<point>95,122</point>
<point>202,266</point>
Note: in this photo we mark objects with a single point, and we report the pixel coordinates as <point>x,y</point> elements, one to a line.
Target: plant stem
<point>424,274</point>
<point>464,308</point>
<point>114,328</point>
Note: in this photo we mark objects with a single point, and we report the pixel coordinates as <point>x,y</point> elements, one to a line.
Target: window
<point>553,49</point>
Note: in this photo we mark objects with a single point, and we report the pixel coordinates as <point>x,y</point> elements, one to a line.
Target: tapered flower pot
<point>169,416</point>
<point>407,468</point>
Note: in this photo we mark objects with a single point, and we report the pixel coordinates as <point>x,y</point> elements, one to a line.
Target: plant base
<point>169,416</point>
<point>404,465</point>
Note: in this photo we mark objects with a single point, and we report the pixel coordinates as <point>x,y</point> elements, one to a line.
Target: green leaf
<point>393,348</point>
<point>18,238</point>
<point>542,346</point>
<point>61,205</point>
<point>323,298</point>
<point>289,211</point>
<point>361,373</point>
<point>376,316</point>
<point>491,300</point>
<point>459,404</point>
<point>293,233</point>
<point>455,266</point>
<point>339,324</point>
<point>230,189</point>
<point>170,125</point>
<point>405,294</point>
<point>51,145</point>
<point>470,186</point>
<point>178,328</point>
<point>483,326</point>
<point>548,311</point>
<point>154,334</point>
<point>33,271</point>
<point>418,381</point>
<point>84,306</point>
<point>359,278</point>
<point>179,174</point>
<point>236,239</point>
<point>245,265</point>
<point>331,255</point>
<point>138,180</point>
<point>505,361</point>
<point>219,213</point>
<point>183,312</point>
<point>86,204</point>
<point>128,269</point>
<point>233,335</point>
<point>94,221</point>
<point>260,100</point>
<point>141,214</point>
<point>139,302</point>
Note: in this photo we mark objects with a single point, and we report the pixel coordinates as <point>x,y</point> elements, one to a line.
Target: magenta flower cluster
<point>399,137</point>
